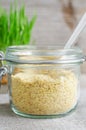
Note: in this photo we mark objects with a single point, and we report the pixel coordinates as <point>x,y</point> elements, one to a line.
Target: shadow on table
<point>5,110</point>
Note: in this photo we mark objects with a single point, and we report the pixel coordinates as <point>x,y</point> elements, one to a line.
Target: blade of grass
<point>15,28</point>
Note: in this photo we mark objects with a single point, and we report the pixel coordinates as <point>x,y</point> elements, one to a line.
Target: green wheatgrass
<point>15,27</point>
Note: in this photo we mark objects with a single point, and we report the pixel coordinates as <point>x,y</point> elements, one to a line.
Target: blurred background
<point>56,20</point>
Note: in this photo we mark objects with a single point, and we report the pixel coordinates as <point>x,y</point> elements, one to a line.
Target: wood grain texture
<point>56,20</point>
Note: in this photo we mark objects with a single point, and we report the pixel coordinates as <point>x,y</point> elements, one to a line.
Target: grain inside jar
<point>44,92</point>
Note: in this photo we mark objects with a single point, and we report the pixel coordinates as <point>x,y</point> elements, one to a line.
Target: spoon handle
<point>76,32</point>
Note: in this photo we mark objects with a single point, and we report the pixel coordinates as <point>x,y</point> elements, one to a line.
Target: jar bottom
<point>41,116</point>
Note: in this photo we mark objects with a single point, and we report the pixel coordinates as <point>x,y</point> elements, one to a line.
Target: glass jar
<point>43,82</point>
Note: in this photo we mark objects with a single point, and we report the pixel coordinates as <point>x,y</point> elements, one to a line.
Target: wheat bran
<point>44,92</point>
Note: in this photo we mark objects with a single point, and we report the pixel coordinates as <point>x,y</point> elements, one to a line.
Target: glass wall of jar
<point>43,82</point>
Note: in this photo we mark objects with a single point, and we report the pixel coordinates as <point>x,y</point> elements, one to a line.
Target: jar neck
<point>34,55</point>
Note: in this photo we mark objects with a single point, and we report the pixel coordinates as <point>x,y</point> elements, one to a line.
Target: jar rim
<point>43,54</point>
